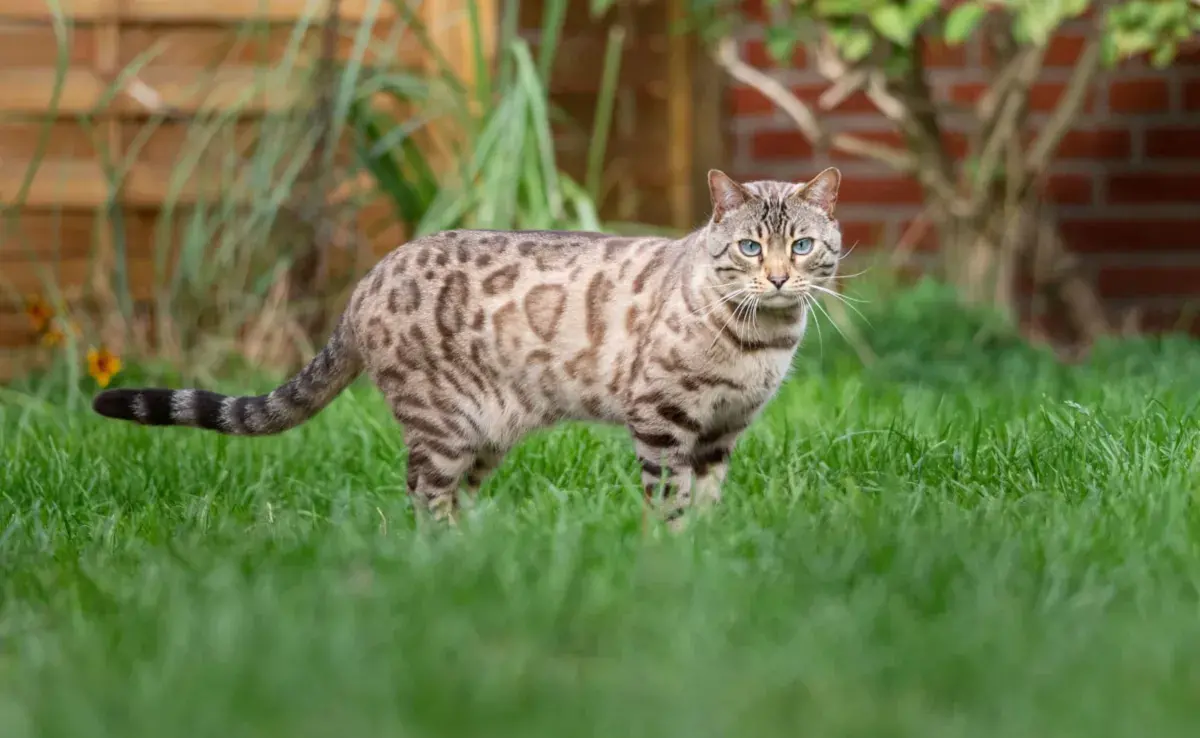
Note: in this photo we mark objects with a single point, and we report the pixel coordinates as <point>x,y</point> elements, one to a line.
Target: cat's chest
<point>754,378</point>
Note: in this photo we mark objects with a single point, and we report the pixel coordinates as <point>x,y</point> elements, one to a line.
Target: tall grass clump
<point>504,173</point>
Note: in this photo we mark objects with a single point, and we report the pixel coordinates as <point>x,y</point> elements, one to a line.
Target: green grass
<point>964,539</point>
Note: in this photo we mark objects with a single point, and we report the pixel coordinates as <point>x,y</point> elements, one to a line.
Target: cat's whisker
<point>808,301</point>
<point>733,315</point>
<point>837,295</point>
<point>833,322</point>
<point>846,302</point>
<point>747,319</point>
<point>752,320</point>
<point>707,309</point>
<point>850,276</point>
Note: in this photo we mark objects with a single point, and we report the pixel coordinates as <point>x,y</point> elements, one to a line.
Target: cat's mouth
<point>778,300</point>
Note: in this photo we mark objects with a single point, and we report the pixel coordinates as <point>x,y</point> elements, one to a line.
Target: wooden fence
<point>668,126</point>
<point>188,57</point>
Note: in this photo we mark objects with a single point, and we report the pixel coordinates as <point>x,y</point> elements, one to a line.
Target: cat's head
<point>774,242</point>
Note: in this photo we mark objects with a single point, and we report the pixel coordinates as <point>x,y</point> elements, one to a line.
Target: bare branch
<point>912,236</point>
<point>845,86</point>
<point>802,115</point>
<point>911,102</point>
<point>792,106</point>
<point>873,82</point>
<point>881,97</point>
<point>898,159</point>
<point>1065,112</point>
<point>1006,124</point>
<point>989,102</point>
<point>829,63</point>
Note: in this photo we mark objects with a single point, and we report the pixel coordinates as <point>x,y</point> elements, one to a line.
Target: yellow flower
<point>40,313</point>
<point>53,336</point>
<point>102,365</point>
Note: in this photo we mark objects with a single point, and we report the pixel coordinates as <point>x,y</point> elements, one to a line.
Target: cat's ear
<point>821,191</point>
<point>726,194</point>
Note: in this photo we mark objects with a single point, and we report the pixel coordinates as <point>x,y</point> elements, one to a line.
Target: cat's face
<point>773,243</point>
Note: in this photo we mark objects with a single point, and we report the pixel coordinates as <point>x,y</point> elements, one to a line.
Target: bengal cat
<point>477,338</point>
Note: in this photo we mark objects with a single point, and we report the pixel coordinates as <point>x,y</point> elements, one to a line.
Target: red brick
<point>856,103</point>
<point>936,53</point>
<point>1062,51</point>
<point>955,143</point>
<point>1188,55</point>
<point>1154,188</point>
<point>967,93</point>
<point>1191,94</point>
<point>1130,236</point>
<point>1139,96</point>
<point>1100,144</point>
<point>880,191</point>
<point>861,234</point>
<point>748,101</point>
<point>1043,96</point>
<point>755,53</point>
<point>1164,319</point>
<point>1148,281</point>
<point>1173,143</point>
<point>1069,189</point>
<point>768,145</point>
<point>754,9</point>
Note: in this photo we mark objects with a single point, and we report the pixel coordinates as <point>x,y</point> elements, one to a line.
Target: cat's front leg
<point>710,462</point>
<point>666,465</point>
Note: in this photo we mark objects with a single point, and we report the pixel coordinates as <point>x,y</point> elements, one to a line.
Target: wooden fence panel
<point>187,58</point>
<point>667,127</point>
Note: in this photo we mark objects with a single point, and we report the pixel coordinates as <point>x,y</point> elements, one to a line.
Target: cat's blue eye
<point>750,248</point>
<point>802,246</point>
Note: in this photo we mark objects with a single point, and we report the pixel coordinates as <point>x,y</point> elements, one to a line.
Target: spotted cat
<point>477,338</point>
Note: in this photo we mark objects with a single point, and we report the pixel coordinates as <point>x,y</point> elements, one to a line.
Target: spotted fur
<point>477,338</point>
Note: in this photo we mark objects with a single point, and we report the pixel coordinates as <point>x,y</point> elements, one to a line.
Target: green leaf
<point>892,24</point>
<point>780,42</point>
<point>829,8</point>
<point>962,21</point>
<point>1110,53</point>
<point>854,43</point>
<point>1072,8</point>
<point>600,7</point>
<point>1163,54</point>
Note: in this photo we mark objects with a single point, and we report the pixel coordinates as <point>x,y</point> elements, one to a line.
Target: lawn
<point>961,539</point>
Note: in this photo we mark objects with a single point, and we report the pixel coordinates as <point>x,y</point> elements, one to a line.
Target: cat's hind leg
<point>487,461</point>
<point>443,449</point>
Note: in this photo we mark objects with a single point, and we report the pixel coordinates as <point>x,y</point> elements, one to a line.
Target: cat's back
<point>555,287</point>
<point>490,268</point>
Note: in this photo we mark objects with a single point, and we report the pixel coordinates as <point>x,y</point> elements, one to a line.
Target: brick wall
<point>1125,183</point>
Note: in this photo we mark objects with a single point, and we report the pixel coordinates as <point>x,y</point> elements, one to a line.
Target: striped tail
<point>284,408</point>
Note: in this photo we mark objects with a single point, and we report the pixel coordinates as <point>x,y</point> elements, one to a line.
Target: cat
<point>476,338</point>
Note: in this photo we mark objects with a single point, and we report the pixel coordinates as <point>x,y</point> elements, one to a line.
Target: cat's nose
<point>779,282</point>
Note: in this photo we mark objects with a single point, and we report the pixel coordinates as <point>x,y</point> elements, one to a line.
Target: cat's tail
<point>284,408</point>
